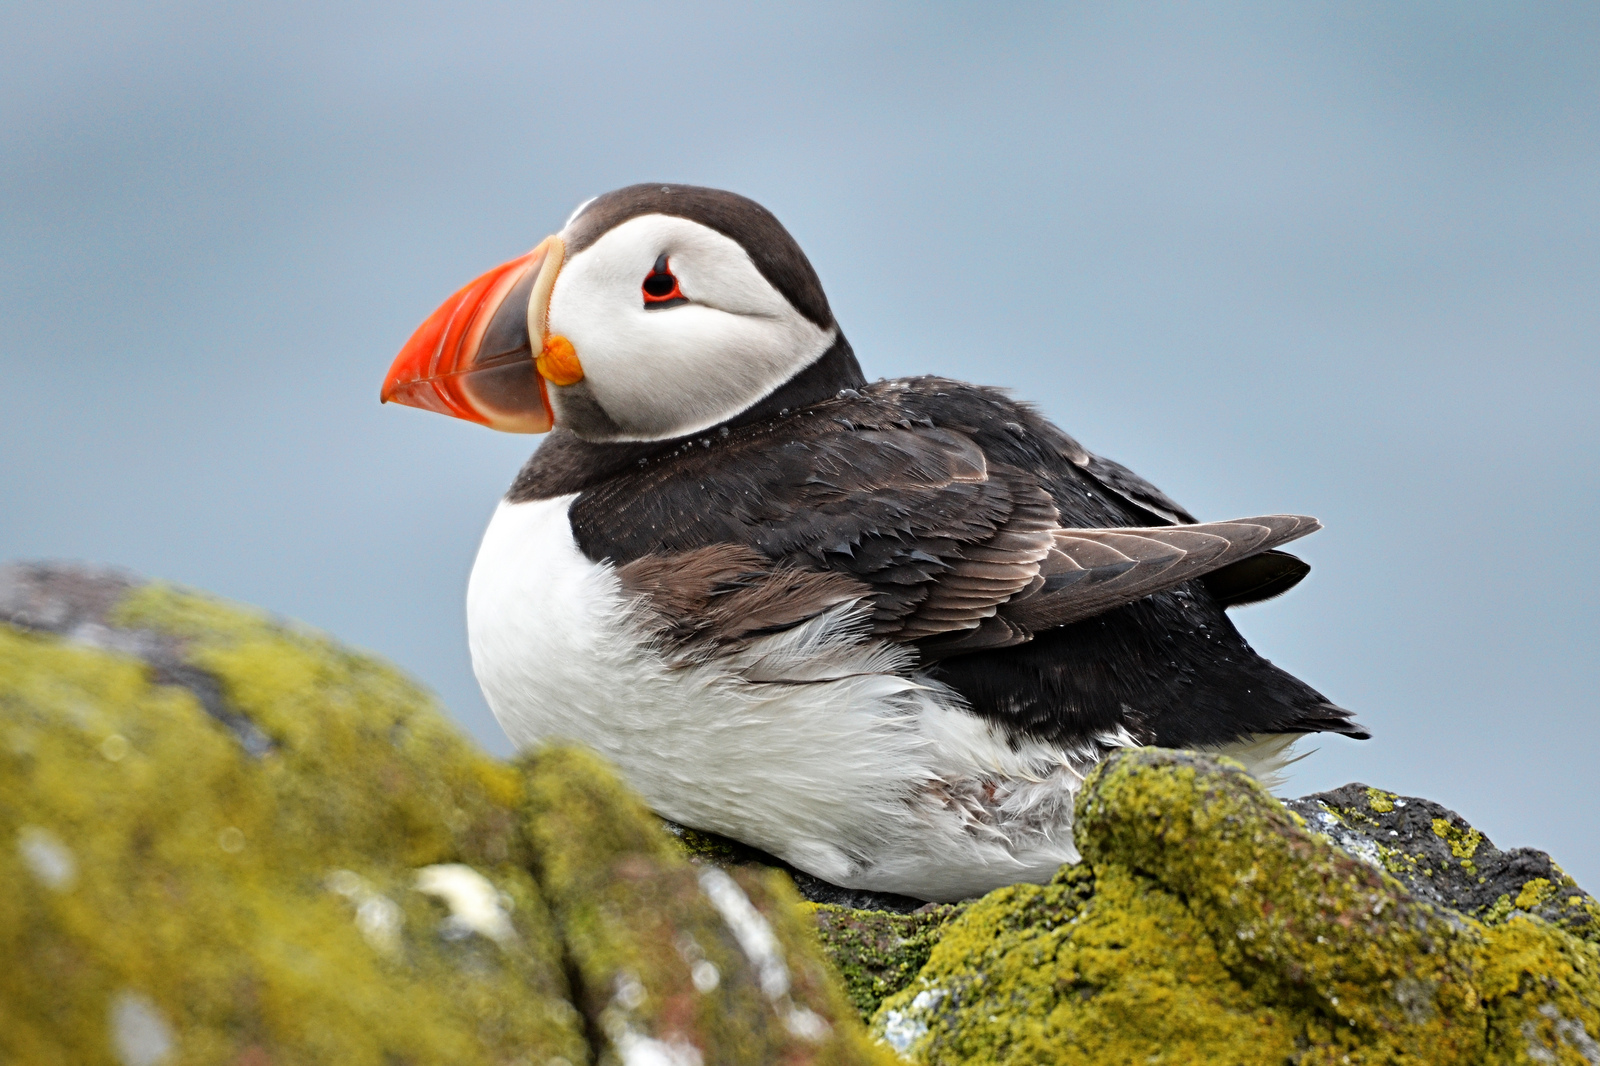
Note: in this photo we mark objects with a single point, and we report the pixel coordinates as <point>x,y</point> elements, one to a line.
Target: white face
<point>665,372</point>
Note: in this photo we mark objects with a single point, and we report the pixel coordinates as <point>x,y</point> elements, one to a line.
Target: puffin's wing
<point>1091,571</point>
<point>946,548</point>
<point>1257,577</point>
<point>913,522</point>
<point>713,598</point>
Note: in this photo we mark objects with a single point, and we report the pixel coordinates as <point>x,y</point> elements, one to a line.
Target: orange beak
<point>475,357</point>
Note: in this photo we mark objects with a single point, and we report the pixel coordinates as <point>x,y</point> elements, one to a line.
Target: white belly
<point>870,777</point>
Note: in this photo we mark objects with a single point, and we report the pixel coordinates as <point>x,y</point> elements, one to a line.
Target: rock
<point>228,839</point>
<point>877,941</point>
<point>879,952</point>
<point>1440,858</point>
<point>673,960</point>
<point>1207,923</point>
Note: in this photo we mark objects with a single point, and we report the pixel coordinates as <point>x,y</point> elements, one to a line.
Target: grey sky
<point>1339,260</point>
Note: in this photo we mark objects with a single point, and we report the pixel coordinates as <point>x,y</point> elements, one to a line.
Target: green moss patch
<point>169,887</point>
<point>877,953</point>
<point>228,839</point>
<point>1209,925</point>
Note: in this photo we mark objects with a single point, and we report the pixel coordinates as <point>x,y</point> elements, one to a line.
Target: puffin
<point>880,630</point>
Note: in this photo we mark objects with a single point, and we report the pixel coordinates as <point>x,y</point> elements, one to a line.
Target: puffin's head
<point>657,311</point>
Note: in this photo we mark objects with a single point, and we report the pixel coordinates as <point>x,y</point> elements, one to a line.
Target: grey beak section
<point>503,377</point>
<point>506,338</point>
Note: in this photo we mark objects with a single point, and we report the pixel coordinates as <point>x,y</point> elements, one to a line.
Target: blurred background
<point>1342,260</point>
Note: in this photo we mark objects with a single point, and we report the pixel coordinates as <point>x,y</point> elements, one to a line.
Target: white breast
<point>867,775</point>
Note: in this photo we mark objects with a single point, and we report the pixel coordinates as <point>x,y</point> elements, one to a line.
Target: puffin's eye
<point>661,287</point>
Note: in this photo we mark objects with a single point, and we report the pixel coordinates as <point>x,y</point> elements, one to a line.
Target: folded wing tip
<point>1332,718</point>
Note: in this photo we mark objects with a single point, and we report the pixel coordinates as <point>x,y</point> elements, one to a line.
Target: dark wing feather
<point>1090,571</point>
<point>718,597</point>
<point>1131,487</point>
<point>1094,570</point>
<point>1249,580</point>
<point>953,551</point>
<point>916,515</point>
<point>1260,577</point>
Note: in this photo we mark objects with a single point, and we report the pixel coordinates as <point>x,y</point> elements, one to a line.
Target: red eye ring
<point>660,287</point>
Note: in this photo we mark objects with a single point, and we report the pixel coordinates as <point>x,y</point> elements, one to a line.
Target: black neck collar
<point>565,463</point>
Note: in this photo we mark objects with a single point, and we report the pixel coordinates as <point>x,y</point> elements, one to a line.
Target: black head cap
<point>742,220</point>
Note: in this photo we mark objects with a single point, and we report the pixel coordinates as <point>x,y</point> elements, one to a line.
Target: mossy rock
<point>228,839</point>
<point>722,962</point>
<point>876,941</point>
<point>877,952</point>
<point>1440,858</point>
<point>1208,924</point>
<point>232,840</point>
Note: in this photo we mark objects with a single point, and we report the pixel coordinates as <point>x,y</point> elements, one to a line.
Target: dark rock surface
<point>1439,857</point>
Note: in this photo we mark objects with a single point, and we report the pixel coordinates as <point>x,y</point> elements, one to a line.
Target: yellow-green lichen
<point>1398,862</point>
<point>1534,894</point>
<point>874,952</point>
<point>1463,843</point>
<point>710,847</point>
<point>662,947</point>
<point>424,792</point>
<point>1437,855</point>
<point>1040,975</point>
<point>1498,911</point>
<point>361,886</point>
<point>259,903</point>
<point>1552,899</point>
<point>1219,930</point>
<point>197,889</point>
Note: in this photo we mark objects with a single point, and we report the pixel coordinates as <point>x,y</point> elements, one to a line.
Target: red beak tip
<point>437,369</point>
